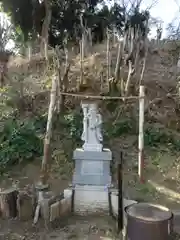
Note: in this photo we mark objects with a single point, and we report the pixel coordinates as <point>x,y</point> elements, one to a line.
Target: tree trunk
<point>90,39</point>
<point>81,62</point>
<point>45,29</point>
<point>128,79</point>
<point>108,56</point>
<point>59,82</point>
<point>118,63</point>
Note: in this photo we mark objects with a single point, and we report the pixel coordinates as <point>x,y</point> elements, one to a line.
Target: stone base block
<point>92,167</point>
<point>81,154</point>
<point>90,199</point>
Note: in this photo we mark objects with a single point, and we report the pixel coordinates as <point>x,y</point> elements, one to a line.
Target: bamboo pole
<point>98,97</point>
<point>141,134</point>
<point>42,186</point>
<point>46,156</point>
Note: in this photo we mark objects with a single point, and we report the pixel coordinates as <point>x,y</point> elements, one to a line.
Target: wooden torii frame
<point>46,156</point>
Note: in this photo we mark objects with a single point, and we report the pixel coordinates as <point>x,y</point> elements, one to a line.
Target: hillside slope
<point>160,78</point>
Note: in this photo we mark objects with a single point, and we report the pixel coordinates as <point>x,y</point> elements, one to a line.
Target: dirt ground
<point>73,227</point>
<point>90,228</point>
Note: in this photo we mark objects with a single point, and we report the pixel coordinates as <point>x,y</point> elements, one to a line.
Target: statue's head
<point>90,104</point>
<point>93,106</point>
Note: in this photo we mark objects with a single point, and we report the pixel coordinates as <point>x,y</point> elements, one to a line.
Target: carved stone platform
<point>92,167</point>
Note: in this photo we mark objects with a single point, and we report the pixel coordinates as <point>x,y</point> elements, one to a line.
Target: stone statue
<point>92,122</point>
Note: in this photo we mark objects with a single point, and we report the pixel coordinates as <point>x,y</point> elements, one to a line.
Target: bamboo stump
<point>8,207</point>
<point>25,205</point>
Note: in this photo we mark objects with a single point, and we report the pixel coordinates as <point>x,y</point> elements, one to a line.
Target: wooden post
<point>120,196</point>
<point>46,156</point>
<point>141,133</point>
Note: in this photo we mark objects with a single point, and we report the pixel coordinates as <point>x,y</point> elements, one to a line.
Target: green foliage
<point>138,19</point>
<point>111,105</point>
<point>121,127</point>
<point>65,22</point>
<point>39,123</point>
<point>62,164</point>
<point>20,13</point>
<point>72,124</point>
<point>18,142</point>
<point>154,137</point>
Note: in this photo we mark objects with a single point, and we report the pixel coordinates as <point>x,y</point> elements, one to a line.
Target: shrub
<point>18,142</point>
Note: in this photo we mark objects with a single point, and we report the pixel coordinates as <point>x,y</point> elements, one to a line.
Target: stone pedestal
<point>94,199</point>
<point>92,167</point>
<point>92,177</point>
<point>91,199</point>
